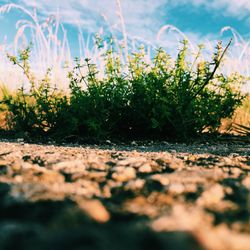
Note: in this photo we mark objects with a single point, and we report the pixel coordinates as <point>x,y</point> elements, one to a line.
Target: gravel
<point>153,195</point>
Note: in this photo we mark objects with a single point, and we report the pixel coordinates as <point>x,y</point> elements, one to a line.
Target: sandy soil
<point>136,196</point>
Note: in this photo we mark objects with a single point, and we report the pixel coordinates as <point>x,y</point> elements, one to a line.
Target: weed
<point>179,99</point>
<point>165,98</point>
<point>41,109</point>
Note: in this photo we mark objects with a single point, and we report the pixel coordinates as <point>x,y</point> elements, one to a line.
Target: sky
<point>199,20</point>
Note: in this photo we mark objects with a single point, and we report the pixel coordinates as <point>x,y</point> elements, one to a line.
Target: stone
<point>94,209</point>
<point>145,168</point>
<point>135,162</point>
<point>70,167</point>
<point>176,188</point>
<point>124,174</point>
<point>246,182</point>
<point>211,196</point>
<point>162,178</point>
<point>170,163</point>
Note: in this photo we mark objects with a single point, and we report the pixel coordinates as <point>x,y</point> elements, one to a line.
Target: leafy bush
<point>161,98</point>
<point>39,110</point>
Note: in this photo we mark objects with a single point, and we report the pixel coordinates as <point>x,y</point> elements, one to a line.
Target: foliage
<point>160,98</point>
<point>40,109</point>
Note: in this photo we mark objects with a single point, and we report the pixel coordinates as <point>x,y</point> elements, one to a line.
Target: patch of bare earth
<point>154,196</point>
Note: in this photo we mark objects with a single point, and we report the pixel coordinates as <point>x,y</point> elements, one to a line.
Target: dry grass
<point>242,114</point>
<point>240,119</point>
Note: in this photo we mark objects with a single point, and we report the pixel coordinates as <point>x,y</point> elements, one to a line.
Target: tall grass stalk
<point>51,46</point>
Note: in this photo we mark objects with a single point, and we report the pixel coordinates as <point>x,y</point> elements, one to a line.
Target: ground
<point>129,196</point>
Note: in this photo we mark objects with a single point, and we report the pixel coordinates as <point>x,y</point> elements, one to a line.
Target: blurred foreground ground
<point>140,196</point>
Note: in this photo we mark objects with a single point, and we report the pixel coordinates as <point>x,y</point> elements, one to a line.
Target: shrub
<point>177,99</point>
<point>39,110</point>
<point>161,98</point>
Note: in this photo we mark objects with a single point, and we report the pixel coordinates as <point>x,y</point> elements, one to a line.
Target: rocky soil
<point>125,197</point>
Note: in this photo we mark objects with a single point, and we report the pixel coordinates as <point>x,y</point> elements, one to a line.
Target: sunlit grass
<point>51,44</point>
<point>242,114</point>
<point>240,117</point>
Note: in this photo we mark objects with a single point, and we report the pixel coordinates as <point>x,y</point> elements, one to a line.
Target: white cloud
<point>142,17</point>
<point>139,15</point>
<point>236,8</point>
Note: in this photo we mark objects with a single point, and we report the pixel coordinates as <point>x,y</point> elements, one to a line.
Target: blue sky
<point>200,20</point>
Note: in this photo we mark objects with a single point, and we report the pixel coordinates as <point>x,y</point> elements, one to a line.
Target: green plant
<point>179,99</point>
<point>39,110</point>
<point>158,98</point>
<point>99,104</point>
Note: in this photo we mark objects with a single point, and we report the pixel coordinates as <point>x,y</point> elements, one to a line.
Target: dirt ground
<point>145,196</point>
